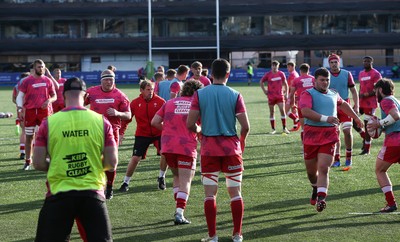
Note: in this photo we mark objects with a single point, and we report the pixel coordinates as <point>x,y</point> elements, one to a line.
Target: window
<point>328,24</point>
<point>236,25</point>
<point>395,23</point>
<point>104,28</point>
<point>109,28</point>
<point>177,27</point>
<point>363,24</point>
<point>197,27</point>
<point>191,27</point>
<point>283,25</point>
<point>21,29</point>
<point>132,28</point>
<point>61,29</point>
<point>267,25</point>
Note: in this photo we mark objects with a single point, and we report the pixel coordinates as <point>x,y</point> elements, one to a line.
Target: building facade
<point>87,35</point>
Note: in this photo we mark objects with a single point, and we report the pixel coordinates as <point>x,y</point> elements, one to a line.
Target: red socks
<point>237,209</point>
<point>110,177</point>
<point>210,210</point>
<point>181,200</point>
<point>293,116</point>
<point>389,196</point>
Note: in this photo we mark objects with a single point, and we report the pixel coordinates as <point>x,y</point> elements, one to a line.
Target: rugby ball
<point>374,133</point>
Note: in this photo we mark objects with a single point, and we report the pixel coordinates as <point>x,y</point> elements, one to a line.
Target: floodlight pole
<point>217,25</point>
<point>149,28</point>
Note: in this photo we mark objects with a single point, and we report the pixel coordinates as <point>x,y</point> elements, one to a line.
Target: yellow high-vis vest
<point>75,145</point>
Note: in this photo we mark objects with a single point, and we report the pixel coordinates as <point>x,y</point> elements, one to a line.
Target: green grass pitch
<point>275,191</point>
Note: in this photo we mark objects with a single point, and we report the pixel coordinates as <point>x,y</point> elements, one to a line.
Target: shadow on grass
<point>314,225</point>
<point>149,164</point>
<point>267,164</point>
<point>147,232</point>
<point>134,188</point>
<point>264,210</point>
<point>125,147</point>
<point>20,162</point>
<point>269,174</point>
<point>281,225</point>
<point>303,201</point>
<point>20,175</point>
<point>21,207</point>
<point>267,146</point>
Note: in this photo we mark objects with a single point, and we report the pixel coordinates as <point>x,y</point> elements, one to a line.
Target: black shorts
<point>57,216</point>
<point>142,144</point>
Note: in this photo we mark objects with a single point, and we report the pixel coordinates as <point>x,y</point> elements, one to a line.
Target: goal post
<point>151,48</point>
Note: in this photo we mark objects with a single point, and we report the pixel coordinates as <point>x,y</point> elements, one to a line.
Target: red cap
<point>333,57</point>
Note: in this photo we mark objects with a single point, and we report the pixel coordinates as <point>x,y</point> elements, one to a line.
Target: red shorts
<point>343,117</point>
<point>58,107</point>
<point>390,154</point>
<point>312,151</point>
<point>275,100</point>
<point>228,164</point>
<point>367,111</point>
<point>35,116</point>
<point>180,161</point>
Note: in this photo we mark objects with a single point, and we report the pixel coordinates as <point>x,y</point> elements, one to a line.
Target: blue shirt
<point>218,110</point>
<point>393,127</point>
<point>340,84</point>
<point>324,104</point>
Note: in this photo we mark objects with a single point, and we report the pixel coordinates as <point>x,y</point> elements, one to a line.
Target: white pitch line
<point>373,213</point>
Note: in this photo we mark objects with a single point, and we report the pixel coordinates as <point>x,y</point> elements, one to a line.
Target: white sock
<point>322,189</point>
<point>386,189</point>
<point>179,211</point>
<point>162,173</point>
<point>175,190</point>
<point>127,179</point>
